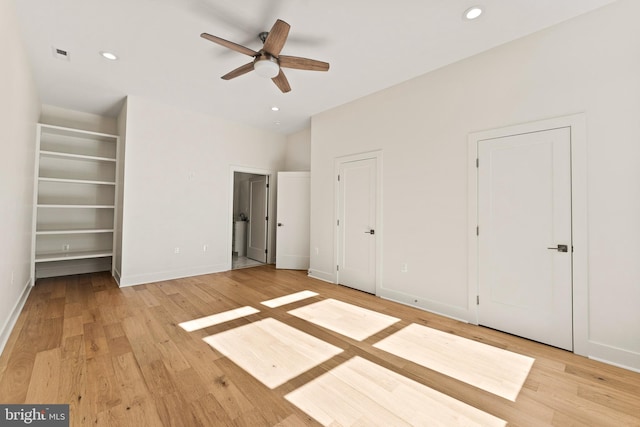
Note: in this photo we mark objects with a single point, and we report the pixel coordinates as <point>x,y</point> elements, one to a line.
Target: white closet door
<point>525,246</point>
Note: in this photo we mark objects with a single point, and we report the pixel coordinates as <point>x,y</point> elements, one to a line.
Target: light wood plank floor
<point>118,357</point>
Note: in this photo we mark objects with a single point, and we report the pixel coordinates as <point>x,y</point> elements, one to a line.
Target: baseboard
<point>141,279</point>
<point>116,275</point>
<point>445,310</point>
<point>7,328</point>
<point>614,356</point>
<point>321,275</point>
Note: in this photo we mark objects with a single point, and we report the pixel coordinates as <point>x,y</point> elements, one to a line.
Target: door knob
<point>561,248</point>
<point>370,232</point>
<point>279,224</point>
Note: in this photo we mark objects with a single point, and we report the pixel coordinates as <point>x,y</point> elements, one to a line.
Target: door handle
<point>280,224</point>
<point>370,232</point>
<point>561,248</point>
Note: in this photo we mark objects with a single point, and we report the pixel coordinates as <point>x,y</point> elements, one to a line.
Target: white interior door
<point>524,217</point>
<point>357,224</point>
<point>257,235</point>
<point>292,238</point>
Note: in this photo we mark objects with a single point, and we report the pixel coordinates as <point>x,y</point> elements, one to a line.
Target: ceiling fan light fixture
<point>473,13</point>
<point>267,67</point>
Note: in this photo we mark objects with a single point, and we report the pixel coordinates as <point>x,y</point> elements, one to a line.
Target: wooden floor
<point>118,357</point>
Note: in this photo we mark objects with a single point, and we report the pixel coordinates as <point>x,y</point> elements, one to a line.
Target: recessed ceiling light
<point>473,13</point>
<point>274,108</point>
<point>108,55</point>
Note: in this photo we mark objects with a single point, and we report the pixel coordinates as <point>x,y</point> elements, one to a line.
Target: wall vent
<point>60,53</point>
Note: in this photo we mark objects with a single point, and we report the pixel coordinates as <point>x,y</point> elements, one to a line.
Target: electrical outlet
<point>65,247</point>
<point>317,251</point>
<point>176,250</point>
<point>204,248</point>
<point>404,268</point>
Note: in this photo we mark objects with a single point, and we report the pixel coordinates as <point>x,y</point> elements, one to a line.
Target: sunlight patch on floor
<point>215,319</point>
<point>489,368</point>
<point>346,319</point>
<point>360,392</point>
<point>271,351</point>
<point>288,299</point>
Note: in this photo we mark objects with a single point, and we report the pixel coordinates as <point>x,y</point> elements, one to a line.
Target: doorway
<point>359,221</point>
<point>250,220</point>
<point>527,184</point>
<point>524,241</point>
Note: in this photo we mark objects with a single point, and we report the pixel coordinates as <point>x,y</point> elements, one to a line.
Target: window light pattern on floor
<point>489,368</point>
<point>271,351</point>
<point>216,319</point>
<point>288,299</point>
<point>360,392</point>
<point>346,319</point>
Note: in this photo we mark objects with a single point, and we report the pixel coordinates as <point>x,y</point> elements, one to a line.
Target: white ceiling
<point>370,44</point>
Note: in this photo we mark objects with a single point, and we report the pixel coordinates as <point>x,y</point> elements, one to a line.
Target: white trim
<point>171,274</point>
<point>377,156</point>
<point>577,125</point>
<point>272,177</point>
<point>8,326</point>
<point>116,274</point>
<point>444,310</point>
<point>607,354</point>
<point>321,275</point>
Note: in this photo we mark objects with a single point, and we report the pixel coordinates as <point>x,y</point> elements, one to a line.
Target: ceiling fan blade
<point>277,38</point>
<point>230,45</point>
<point>281,81</point>
<point>238,71</point>
<point>302,63</point>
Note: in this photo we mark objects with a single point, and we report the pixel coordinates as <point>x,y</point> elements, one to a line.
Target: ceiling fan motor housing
<point>266,65</point>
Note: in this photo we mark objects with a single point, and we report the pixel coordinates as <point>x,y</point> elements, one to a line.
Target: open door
<point>292,238</point>
<point>258,208</point>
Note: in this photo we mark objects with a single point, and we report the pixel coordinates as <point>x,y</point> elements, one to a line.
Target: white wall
<point>19,111</point>
<point>589,64</point>
<point>58,116</point>
<point>177,188</point>
<point>298,154</point>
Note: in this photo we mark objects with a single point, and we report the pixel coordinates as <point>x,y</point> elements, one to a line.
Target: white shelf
<point>76,181</point>
<point>80,231</point>
<point>63,155</point>
<point>75,197</point>
<point>67,256</point>
<point>77,206</point>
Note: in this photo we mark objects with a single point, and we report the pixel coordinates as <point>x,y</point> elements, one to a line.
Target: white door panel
<point>524,208</point>
<point>292,239</point>
<point>357,225</point>
<point>257,235</point>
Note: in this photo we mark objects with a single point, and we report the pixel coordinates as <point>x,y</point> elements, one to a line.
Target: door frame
<point>271,176</point>
<point>577,125</point>
<point>338,161</point>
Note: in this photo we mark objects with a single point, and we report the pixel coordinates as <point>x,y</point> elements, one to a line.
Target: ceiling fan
<point>267,61</point>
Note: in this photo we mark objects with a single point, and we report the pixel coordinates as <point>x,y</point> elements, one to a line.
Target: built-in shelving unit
<point>75,201</point>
